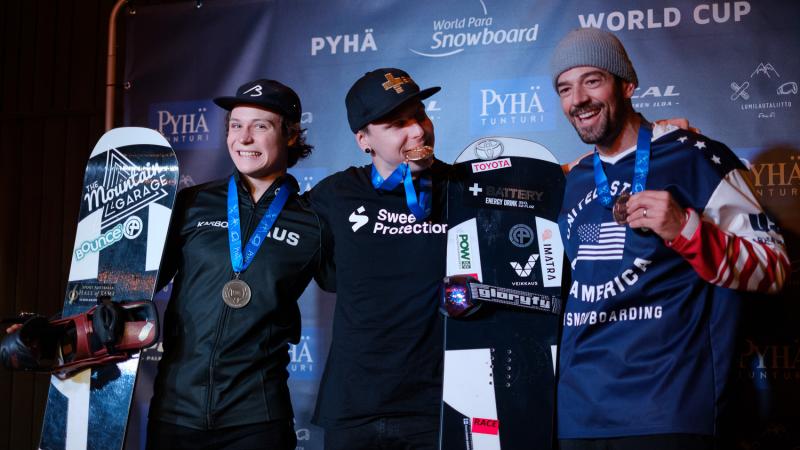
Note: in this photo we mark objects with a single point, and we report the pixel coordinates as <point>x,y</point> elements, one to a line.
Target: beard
<point>608,126</point>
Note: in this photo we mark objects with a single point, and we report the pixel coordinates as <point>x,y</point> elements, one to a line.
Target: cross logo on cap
<point>256,88</point>
<point>395,83</point>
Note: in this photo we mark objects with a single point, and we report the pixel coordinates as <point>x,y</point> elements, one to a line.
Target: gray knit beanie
<point>592,47</point>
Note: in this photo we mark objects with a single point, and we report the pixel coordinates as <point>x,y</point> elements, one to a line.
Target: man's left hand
<point>657,211</point>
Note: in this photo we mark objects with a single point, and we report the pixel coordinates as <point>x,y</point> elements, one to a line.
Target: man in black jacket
<point>241,251</point>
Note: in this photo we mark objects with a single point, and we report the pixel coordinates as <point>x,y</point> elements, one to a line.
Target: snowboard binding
<point>109,332</point>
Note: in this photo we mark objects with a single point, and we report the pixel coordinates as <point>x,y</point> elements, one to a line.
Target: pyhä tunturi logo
<point>515,105</point>
<point>188,125</point>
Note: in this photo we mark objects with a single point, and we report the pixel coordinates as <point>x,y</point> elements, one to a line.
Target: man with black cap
<point>382,382</point>
<point>661,228</point>
<point>241,251</point>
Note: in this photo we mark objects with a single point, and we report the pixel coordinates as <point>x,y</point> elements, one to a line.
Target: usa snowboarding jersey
<point>649,326</point>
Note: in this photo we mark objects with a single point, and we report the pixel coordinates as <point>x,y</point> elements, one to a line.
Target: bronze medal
<point>236,293</point>
<point>620,211</point>
<point>419,153</point>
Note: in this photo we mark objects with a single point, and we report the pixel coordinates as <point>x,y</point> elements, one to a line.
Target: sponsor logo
<point>453,35</point>
<point>303,355</point>
<point>303,434</point>
<point>132,227</point>
<point>764,93</point>
<point>432,109</point>
<point>126,188</point>
<point>486,166</point>
<point>668,17</point>
<point>515,105</point>
<point>487,149</point>
<point>391,223</point>
<point>100,242</point>
<point>344,43</point>
<point>525,271</point>
<point>186,181</point>
<point>485,426</point>
<point>510,297</point>
<point>506,196</point>
<point>388,222</point>
<point>768,362</point>
<point>188,125</point>
<point>358,219</point>
<point>779,178</point>
<point>308,177</point>
<point>276,233</point>
<point>395,83</point>
<point>464,257</point>
<point>655,97</point>
<point>521,235</point>
<point>762,222</point>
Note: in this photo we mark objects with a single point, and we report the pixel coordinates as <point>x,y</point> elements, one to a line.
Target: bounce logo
<point>188,125</point>
<point>517,105</point>
<point>303,355</point>
<point>455,33</point>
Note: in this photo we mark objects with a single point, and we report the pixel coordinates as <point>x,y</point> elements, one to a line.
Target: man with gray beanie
<point>661,229</point>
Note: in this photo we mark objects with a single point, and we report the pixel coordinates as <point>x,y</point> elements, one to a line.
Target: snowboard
<point>503,200</point>
<point>126,201</point>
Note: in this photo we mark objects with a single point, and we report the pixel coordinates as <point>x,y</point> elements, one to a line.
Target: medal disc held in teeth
<point>236,294</point>
<point>419,153</point>
<point>620,211</point>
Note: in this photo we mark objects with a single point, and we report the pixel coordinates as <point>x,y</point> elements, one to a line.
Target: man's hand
<point>681,123</point>
<point>13,328</point>
<point>658,211</point>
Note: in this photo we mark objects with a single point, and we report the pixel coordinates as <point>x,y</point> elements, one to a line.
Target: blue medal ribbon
<point>640,169</point>
<point>420,206</point>
<point>240,261</point>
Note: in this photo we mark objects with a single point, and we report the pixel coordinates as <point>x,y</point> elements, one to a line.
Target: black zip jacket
<point>221,366</point>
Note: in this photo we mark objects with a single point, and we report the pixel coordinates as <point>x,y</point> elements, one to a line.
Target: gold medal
<point>236,293</point>
<point>419,153</point>
<point>620,211</point>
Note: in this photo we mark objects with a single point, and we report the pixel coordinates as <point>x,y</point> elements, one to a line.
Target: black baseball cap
<point>268,94</point>
<point>378,93</point>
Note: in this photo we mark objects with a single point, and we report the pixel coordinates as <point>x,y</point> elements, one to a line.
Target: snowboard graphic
<point>126,201</point>
<point>503,201</point>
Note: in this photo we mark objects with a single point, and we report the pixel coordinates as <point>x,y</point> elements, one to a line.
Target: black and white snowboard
<point>126,202</point>
<point>503,201</point>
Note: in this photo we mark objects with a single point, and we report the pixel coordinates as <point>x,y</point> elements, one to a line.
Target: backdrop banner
<point>730,67</point>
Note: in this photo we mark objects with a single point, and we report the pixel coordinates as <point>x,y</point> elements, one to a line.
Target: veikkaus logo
<point>344,43</point>
<point>188,125</point>
<point>126,188</point>
<point>524,271</point>
<point>515,105</point>
<point>454,34</point>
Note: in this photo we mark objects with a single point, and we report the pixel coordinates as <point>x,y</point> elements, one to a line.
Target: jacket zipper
<point>223,316</point>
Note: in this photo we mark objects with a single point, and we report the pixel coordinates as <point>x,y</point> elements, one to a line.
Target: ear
<point>628,89</point>
<point>293,138</point>
<point>362,139</point>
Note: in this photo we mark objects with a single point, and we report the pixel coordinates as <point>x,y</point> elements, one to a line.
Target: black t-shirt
<point>386,352</point>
